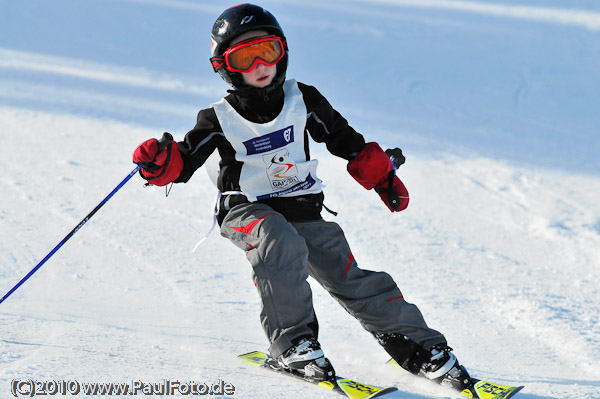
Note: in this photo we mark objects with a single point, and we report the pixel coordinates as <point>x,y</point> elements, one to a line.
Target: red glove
<point>372,168</point>
<point>160,160</point>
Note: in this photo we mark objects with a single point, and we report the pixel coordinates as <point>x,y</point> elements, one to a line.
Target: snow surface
<point>493,102</point>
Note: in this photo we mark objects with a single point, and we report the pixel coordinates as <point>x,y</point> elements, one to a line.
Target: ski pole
<point>68,236</point>
<point>162,143</point>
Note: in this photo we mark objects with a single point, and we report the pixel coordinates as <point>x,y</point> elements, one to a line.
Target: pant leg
<point>278,256</point>
<point>373,298</point>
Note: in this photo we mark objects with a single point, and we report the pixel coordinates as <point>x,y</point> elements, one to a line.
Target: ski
<point>489,390</point>
<point>344,386</point>
<point>481,389</point>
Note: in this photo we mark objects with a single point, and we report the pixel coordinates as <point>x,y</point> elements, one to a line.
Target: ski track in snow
<point>135,77</point>
<point>561,16</point>
<point>501,257</point>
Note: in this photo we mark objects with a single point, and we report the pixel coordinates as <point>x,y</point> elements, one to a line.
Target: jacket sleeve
<point>326,125</point>
<point>199,143</point>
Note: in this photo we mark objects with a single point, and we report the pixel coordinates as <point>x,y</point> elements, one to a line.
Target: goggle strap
<point>217,63</point>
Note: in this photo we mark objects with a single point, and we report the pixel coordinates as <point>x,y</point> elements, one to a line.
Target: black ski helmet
<point>236,21</point>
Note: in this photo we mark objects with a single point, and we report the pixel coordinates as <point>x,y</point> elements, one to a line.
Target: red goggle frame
<point>245,56</point>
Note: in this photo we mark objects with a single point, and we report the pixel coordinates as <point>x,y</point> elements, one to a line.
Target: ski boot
<point>307,359</point>
<point>437,364</point>
<point>443,368</point>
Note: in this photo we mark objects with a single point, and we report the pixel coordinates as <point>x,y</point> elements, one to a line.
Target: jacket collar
<point>258,105</point>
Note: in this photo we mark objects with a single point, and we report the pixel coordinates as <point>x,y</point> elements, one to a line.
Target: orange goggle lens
<point>244,56</point>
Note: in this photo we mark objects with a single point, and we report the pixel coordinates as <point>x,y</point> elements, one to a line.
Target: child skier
<point>272,199</point>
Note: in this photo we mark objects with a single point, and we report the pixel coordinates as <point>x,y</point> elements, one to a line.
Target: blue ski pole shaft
<point>68,236</point>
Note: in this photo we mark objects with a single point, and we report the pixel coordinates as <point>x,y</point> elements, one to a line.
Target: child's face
<point>262,75</point>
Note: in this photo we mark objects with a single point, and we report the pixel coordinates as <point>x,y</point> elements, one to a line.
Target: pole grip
<point>393,198</point>
<point>164,141</point>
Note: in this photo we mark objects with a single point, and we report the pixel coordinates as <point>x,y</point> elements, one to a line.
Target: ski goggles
<point>245,56</point>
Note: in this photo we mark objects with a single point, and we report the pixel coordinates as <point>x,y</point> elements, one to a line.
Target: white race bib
<point>273,153</point>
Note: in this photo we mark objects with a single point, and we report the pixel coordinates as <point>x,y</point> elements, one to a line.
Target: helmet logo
<point>213,46</point>
<point>246,19</point>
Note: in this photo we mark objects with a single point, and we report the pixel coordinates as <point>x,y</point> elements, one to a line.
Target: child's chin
<point>263,83</point>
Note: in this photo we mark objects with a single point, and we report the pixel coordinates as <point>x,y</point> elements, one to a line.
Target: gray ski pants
<point>283,254</point>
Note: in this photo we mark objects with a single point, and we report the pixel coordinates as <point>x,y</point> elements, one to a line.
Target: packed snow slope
<point>493,102</point>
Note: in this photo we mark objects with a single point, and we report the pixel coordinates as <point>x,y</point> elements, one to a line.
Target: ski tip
<point>255,358</point>
<point>384,391</point>
<point>515,391</point>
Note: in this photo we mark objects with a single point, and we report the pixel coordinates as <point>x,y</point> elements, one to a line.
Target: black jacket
<point>324,125</point>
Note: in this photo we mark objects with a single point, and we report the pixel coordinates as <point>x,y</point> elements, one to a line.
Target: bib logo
<point>276,140</point>
<point>281,170</point>
<point>287,134</point>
